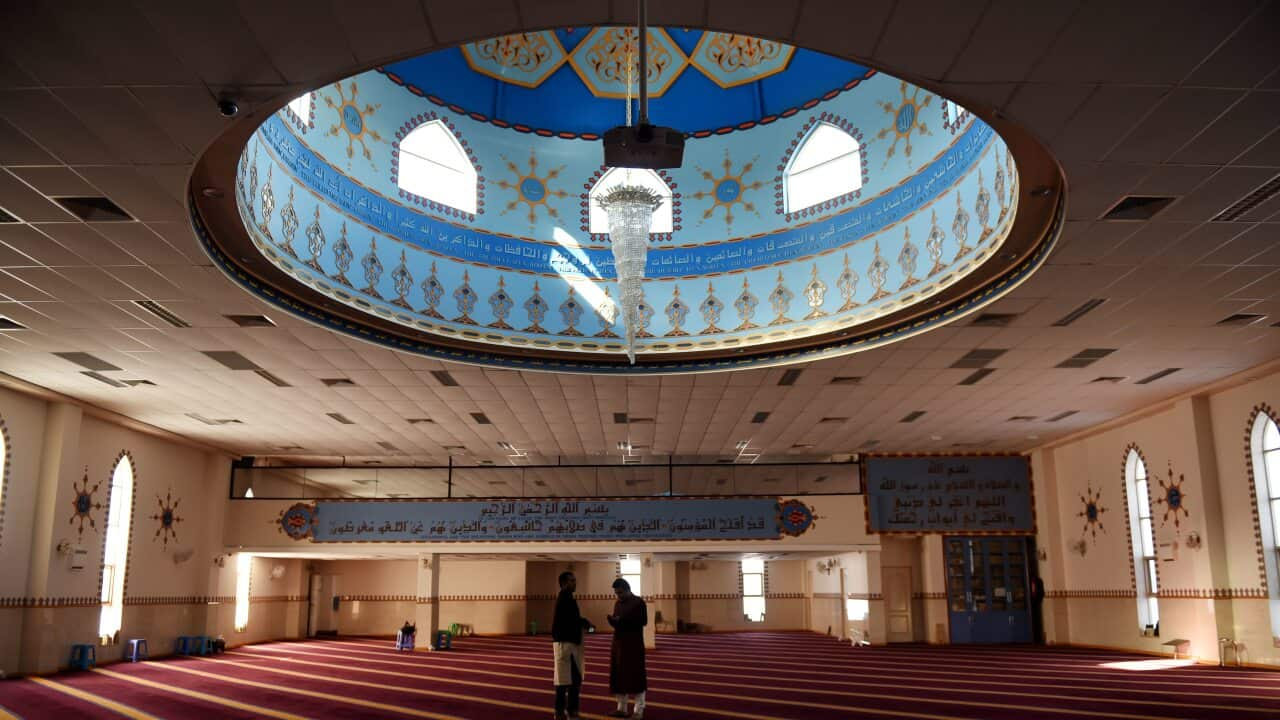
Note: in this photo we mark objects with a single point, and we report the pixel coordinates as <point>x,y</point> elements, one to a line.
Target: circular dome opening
<point>447,204</point>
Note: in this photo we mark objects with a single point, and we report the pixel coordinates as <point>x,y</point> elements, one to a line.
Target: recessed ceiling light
<point>93,209</point>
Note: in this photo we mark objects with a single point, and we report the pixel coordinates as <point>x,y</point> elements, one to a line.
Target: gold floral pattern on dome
<point>607,61</point>
<point>730,59</point>
<point>525,59</point>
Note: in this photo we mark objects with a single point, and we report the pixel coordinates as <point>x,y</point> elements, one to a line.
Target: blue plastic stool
<point>182,645</point>
<point>83,657</point>
<point>444,640</point>
<point>137,649</point>
<point>405,642</point>
<point>202,645</point>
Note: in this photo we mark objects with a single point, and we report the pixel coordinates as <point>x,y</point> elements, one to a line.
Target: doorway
<point>897,604</point>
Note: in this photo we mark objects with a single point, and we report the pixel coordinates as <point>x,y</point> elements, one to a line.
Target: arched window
<point>301,108</point>
<point>244,575</point>
<point>827,165</point>
<point>629,570</point>
<point>4,467</point>
<point>116,551</point>
<point>598,221</point>
<point>1264,448</point>
<point>1144,542</point>
<point>433,165</point>
<point>752,571</point>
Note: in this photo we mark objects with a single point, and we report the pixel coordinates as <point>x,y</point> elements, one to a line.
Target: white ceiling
<point>117,99</point>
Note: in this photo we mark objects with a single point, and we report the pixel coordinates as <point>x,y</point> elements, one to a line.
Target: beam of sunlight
<point>1147,665</point>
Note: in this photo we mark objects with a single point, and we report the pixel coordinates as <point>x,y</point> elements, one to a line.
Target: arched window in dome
<point>598,221</point>
<point>115,552</point>
<point>301,108</point>
<point>434,166</point>
<point>1264,450</point>
<point>827,164</point>
<point>1142,535</point>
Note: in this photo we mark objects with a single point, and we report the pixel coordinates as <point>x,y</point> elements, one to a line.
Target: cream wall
<point>377,596</point>
<point>23,419</point>
<point>488,595</point>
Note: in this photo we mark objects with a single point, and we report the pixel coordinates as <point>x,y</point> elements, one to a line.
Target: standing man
<point>566,636</point>
<point>626,658</point>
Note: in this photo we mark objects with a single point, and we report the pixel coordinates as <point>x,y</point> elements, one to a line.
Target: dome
<point>446,204</point>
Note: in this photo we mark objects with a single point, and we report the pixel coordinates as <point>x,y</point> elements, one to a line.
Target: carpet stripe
<point>125,710</point>
<point>6,714</point>
<point>265,712</point>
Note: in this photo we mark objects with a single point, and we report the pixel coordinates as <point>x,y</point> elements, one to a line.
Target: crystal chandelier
<point>630,211</point>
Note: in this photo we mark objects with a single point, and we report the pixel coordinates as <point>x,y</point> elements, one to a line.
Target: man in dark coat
<point>566,637</point>
<point>626,658</point>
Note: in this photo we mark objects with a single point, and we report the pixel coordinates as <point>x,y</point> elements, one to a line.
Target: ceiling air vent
<point>273,379</point>
<point>388,446</point>
<point>978,358</point>
<point>420,421</point>
<point>250,320</point>
<point>444,377</point>
<point>1265,192</point>
<point>1085,357</point>
<point>1079,312</point>
<point>290,447</point>
<point>102,378</point>
<point>1138,207</point>
<point>454,448</point>
<point>1240,319</point>
<point>759,417</point>
<point>481,419</point>
<point>790,376</point>
<point>9,324</point>
<point>1022,418</point>
<point>85,360</point>
<point>870,444</point>
<point>231,359</point>
<point>994,320</point>
<point>136,383</point>
<point>620,418</point>
<point>640,421</point>
<point>846,380</point>
<point>6,217</point>
<point>1156,376</point>
<point>214,421</point>
<point>912,416</point>
<point>833,420</point>
<point>162,312</point>
<point>1062,416</point>
<point>976,376</point>
<point>339,417</point>
<point>338,382</point>
<point>93,209</point>
<point>1113,379</point>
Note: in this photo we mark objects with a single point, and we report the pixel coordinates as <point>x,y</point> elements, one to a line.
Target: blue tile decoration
<point>536,308</point>
<point>907,257</point>
<point>268,206</point>
<point>500,304</point>
<point>879,274</point>
<point>571,314</point>
<point>677,312</point>
<point>524,59</point>
<point>316,242</point>
<point>465,298</point>
<point>815,294</point>
<point>730,59</point>
<point>372,270</point>
<point>288,225</point>
<point>342,257</point>
<point>711,307</point>
<point>432,292</point>
<point>847,284</point>
<point>645,312</point>
<point>933,244</point>
<point>960,228</point>
<point>402,280</point>
<point>607,315</point>
<point>745,304</point>
<point>607,61</point>
<point>780,300</point>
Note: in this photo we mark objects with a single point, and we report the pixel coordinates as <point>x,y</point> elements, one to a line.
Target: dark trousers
<point>567,695</point>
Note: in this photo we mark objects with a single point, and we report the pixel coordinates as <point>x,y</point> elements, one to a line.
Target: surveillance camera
<point>228,108</point>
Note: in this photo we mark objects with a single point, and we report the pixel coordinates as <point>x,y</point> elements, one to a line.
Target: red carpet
<point>700,677</point>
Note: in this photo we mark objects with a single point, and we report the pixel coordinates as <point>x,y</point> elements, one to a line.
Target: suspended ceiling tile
<point>140,241</point>
<point>377,30</point>
<point>215,43</point>
<point>479,19</point>
<point>1009,39</point>
<point>41,117</point>
<point>137,194</point>
<point>1176,119</point>
<point>1246,123</point>
<point>1248,56</point>
<point>81,240</point>
<point>1107,116</point>
<point>17,149</point>
<point>54,180</point>
<point>1220,192</point>
<point>302,38</point>
<point>27,204</point>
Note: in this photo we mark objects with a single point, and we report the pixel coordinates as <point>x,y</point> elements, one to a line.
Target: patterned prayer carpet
<point>757,676</point>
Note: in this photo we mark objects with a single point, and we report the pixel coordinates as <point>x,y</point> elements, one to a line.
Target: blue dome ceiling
<point>570,81</point>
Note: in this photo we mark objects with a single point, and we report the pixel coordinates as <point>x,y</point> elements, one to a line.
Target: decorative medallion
<point>299,521</point>
<point>536,308</point>
<point>607,60</point>
<point>1173,498</point>
<point>780,299</point>
<point>342,257</point>
<point>402,281</point>
<point>711,308</point>
<point>1092,513</point>
<point>644,316</point>
<point>731,60</point>
<point>252,190</point>
<point>315,242</point>
<point>847,284</point>
<point>879,274</point>
<point>465,298</point>
<point>242,173</point>
<point>934,244</point>
<point>606,315</point>
<point>815,293</point>
<point>353,120</point>
<point>746,306</point>
<point>907,259</point>
<point>571,314</point>
<point>532,189</point>
<point>997,186</point>
<point>906,119</point>
<point>167,517</point>
<point>982,207</point>
<point>525,59</point>
<point>728,190</point>
<point>288,225</point>
<point>432,292</point>
<point>794,517</point>
<point>268,206</point>
<point>500,304</point>
<point>83,504</point>
<point>372,269</point>
<point>960,229</point>
<point>677,312</point>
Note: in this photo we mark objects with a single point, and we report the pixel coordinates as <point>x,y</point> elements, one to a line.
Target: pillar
<point>427,614</point>
<point>650,582</point>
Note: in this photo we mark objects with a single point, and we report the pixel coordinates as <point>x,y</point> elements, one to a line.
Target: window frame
<point>856,156</point>
<point>1266,491</point>
<point>1146,573</point>
<point>416,185</point>
<point>632,574</point>
<point>117,536</point>
<point>743,574</point>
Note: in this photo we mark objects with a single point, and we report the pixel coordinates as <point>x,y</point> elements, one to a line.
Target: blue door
<point>987,589</point>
